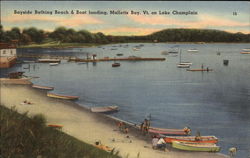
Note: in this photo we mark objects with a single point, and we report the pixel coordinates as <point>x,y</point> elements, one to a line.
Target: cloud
<point>127,31</point>
<point>69,21</point>
<point>203,21</point>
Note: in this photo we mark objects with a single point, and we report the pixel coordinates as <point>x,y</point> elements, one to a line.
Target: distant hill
<point>198,35</point>
<point>62,35</point>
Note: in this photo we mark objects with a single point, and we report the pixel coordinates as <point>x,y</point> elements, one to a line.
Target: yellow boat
<point>191,146</point>
<point>53,95</point>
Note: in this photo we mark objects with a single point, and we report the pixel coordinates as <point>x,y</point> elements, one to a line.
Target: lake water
<point>214,103</point>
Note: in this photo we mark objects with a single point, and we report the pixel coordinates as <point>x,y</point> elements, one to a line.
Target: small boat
<point>183,66</point>
<point>105,109</point>
<point>42,87</point>
<point>116,64</point>
<point>49,60</point>
<point>245,52</point>
<point>202,139</point>
<point>53,64</point>
<point>136,49</point>
<point>164,52</point>
<point>225,62</point>
<point>200,70</point>
<point>190,146</point>
<point>169,132</point>
<point>246,49</point>
<point>193,50</point>
<point>55,126</point>
<point>53,95</point>
<point>119,54</point>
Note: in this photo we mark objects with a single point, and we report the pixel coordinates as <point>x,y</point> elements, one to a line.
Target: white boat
<point>105,109</point>
<point>53,64</point>
<point>193,50</point>
<point>183,64</point>
<point>246,49</point>
<point>136,49</point>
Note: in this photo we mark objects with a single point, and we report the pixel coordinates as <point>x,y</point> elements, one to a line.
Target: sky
<point>230,16</point>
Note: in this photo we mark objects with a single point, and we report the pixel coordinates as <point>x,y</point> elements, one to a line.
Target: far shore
<point>86,45</point>
<point>89,127</point>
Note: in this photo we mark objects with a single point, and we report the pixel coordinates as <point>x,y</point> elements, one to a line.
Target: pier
<point>75,59</point>
<point>117,59</point>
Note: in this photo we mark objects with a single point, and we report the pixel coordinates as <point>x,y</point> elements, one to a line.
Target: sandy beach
<point>86,126</point>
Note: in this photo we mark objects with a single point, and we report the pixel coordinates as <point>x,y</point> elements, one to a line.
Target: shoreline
<point>78,121</point>
<point>88,45</point>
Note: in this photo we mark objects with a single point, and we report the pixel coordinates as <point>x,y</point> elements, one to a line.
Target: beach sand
<point>86,126</point>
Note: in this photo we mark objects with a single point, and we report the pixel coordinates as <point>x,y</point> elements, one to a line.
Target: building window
<point>4,52</point>
<point>11,52</point>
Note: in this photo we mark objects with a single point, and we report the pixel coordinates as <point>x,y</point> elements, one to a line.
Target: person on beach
<point>120,124</point>
<point>154,142</point>
<point>126,130</point>
<point>142,126</point>
<point>161,144</point>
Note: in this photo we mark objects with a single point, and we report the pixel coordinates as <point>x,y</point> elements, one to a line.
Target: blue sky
<point>210,15</point>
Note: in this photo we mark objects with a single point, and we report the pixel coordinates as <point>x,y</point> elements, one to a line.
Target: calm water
<point>214,103</point>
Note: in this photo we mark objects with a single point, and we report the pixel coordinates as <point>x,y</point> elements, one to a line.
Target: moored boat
<point>105,109</point>
<point>42,87</point>
<point>199,69</point>
<point>49,60</point>
<point>53,64</point>
<point>245,52</point>
<point>183,65</point>
<point>202,139</point>
<point>191,146</point>
<point>193,50</point>
<point>116,64</point>
<point>59,96</point>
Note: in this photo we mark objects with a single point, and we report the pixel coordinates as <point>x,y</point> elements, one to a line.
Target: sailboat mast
<point>180,55</point>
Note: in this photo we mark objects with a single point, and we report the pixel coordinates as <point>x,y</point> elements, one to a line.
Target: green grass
<point>24,137</point>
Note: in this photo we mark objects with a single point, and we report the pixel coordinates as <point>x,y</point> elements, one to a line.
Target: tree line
<point>69,35</point>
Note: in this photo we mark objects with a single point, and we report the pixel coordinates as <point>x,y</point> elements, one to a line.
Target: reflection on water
<point>214,103</point>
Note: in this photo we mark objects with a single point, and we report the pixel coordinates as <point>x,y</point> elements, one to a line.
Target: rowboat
<point>106,109</point>
<point>245,52</point>
<point>202,139</point>
<point>199,69</point>
<point>42,87</point>
<point>53,95</point>
<point>49,60</point>
<point>53,64</point>
<point>119,54</point>
<point>190,146</point>
<point>169,132</point>
<point>183,66</point>
<point>55,126</point>
<point>246,49</point>
<point>116,65</point>
<point>193,50</point>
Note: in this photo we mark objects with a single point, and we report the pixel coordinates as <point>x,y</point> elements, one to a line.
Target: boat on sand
<point>202,139</point>
<point>59,96</point>
<point>170,132</point>
<point>42,87</point>
<point>105,109</point>
<point>191,146</point>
